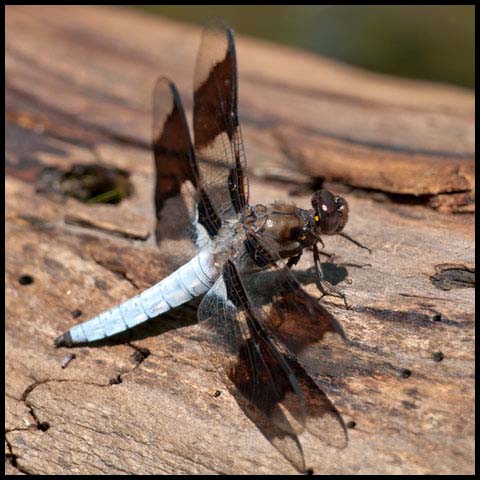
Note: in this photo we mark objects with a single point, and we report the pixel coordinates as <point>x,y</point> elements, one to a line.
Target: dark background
<point>432,42</point>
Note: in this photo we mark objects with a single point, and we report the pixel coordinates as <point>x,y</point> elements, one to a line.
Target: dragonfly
<point>257,321</point>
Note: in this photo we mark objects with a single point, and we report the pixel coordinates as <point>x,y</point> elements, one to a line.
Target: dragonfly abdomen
<point>191,280</point>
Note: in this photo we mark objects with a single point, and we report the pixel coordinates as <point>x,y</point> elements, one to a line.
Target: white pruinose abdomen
<point>189,281</point>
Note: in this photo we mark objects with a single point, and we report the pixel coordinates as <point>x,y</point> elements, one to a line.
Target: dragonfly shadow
<point>322,420</point>
<point>333,274</point>
<point>288,444</point>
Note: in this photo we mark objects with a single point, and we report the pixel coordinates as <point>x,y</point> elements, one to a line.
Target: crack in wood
<point>13,458</point>
<point>117,270</point>
<point>71,219</point>
<point>44,426</point>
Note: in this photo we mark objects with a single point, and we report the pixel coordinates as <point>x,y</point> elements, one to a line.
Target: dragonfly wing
<point>312,336</point>
<point>218,140</point>
<point>182,220</point>
<point>242,349</point>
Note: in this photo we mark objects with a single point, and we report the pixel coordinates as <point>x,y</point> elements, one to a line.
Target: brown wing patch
<point>218,140</point>
<point>175,163</point>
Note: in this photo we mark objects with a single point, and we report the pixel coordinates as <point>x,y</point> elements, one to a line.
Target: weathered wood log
<point>79,82</point>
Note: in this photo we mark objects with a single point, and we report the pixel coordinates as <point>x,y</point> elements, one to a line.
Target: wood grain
<point>78,91</point>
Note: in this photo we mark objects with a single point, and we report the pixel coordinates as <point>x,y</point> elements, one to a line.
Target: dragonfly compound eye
<point>330,212</point>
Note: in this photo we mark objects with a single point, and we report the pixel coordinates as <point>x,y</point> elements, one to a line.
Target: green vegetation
<point>432,42</point>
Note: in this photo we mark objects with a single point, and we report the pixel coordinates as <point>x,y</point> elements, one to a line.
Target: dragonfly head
<point>330,212</point>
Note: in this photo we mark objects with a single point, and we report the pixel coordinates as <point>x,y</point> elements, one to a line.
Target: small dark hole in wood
<point>438,356</point>
<point>406,373</point>
<point>217,393</point>
<point>139,355</point>
<point>437,317</point>
<point>76,313</point>
<point>309,471</point>
<point>409,405</point>
<point>12,458</point>
<point>25,280</point>
<point>351,424</point>
<point>101,284</point>
<point>43,426</point>
<point>144,351</point>
<point>115,380</point>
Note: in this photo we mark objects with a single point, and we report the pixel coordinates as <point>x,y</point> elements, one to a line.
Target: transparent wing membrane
<point>218,141</point>
<point>240,347</point>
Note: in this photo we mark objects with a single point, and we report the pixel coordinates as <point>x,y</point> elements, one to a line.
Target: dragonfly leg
<point>319,276</point>
<point>325,287</point>
<point>356,242</point>
<point>292,261</point>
